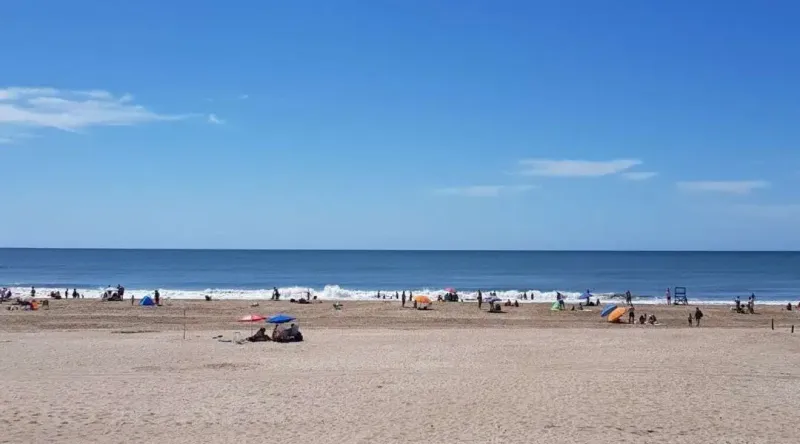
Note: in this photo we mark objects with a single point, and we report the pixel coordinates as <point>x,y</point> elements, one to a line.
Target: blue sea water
<point>711,277</point>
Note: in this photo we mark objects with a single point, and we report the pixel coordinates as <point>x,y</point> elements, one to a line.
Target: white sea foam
<point>337,293</point>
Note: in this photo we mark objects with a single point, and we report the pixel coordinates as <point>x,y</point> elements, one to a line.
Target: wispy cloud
<point>575,168</point>
<point>244,97</point>
<point>5,140</point>
<point>729,187</point>
<point>72,110</point>
<point>212,118</point>
<point>639,175</point>
<point>484,190</point>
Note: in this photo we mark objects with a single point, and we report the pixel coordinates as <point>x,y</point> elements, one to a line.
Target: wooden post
<point>773,323</point>
<point>184,324</point>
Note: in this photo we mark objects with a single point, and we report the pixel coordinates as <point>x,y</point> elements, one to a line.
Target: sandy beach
<point>92,372</point>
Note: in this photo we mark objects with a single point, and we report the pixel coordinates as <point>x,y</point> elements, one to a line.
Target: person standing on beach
<point>669,296</point>
<point>631,316</point>
<point>33,292</point>
<point>480,299</point>
<point>697,316</point>
<point>403,300</point>
<point>157,297</point>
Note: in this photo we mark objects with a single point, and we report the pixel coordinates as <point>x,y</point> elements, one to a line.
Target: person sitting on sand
<point>652,319</point>
<point>277,333</point>
<point>260,336</point>
<point>642,319</point>
<point>516,303</point>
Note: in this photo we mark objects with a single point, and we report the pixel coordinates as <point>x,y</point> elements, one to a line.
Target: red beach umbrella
<point>252,318</point>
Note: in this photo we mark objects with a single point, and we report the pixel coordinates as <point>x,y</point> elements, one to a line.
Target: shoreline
<point>337,294</point>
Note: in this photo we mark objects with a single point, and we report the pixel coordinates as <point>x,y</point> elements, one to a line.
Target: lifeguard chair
<point>679,296</point>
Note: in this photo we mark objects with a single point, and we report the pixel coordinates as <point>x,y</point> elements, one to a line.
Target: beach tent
<point>556,306</point>
<point>147,301</point>
<point>608,309</point>
<point>616,315</point>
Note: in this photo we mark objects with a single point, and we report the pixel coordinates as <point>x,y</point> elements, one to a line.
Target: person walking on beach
<point>157,297</point>
<point>697,316</point>
<point>276,295</point>
<point>629,298</point>
<point>480,299</point>
<point>669,296</point>
<point>631,316</point>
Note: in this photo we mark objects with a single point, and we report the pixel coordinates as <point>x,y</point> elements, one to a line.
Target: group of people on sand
<point>644,318</point>
<point>749,308</point>
<point>21,303</point>
<point>279,334</point>
<point>57,294</point>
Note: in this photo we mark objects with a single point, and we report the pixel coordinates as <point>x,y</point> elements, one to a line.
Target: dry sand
<point>374,373</point>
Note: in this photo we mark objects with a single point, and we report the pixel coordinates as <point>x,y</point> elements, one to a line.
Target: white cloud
<point>575,168</point>
<point>5,140</point>
<point>484,190</point>
<point>69,110</point>
<point>244,97</point>
<point>730,186</point>
<point>639,175</point>
<point>212,118</point>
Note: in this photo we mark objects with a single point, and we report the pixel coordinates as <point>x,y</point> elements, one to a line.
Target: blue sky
<point>400,124</point>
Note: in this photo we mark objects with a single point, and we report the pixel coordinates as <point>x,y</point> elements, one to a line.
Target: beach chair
<point>679,296</point>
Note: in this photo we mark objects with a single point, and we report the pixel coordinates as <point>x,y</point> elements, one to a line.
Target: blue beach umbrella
<point>608,309</point>
<point>280,319</point>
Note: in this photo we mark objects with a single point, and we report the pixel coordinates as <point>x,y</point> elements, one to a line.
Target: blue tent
<point>147,301</point>
<point>280,319</point>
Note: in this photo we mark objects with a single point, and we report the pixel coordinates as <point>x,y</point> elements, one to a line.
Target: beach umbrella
<point>280,319</point>
<point>422,299</point>
<point>252,318</point>
<point>494,299</point>
<point>608,309</point>
<point>617,314</point>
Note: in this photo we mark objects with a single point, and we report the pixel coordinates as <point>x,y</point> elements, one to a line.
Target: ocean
<point>709,277</point>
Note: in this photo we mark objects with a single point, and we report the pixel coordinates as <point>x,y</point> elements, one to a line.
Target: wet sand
<point>92,372</point>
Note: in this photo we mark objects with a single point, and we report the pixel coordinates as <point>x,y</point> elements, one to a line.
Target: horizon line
<point>395,250</point>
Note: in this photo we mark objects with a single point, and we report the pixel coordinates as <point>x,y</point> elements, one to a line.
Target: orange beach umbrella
<point>422,299</point>
<point>617,314</point>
